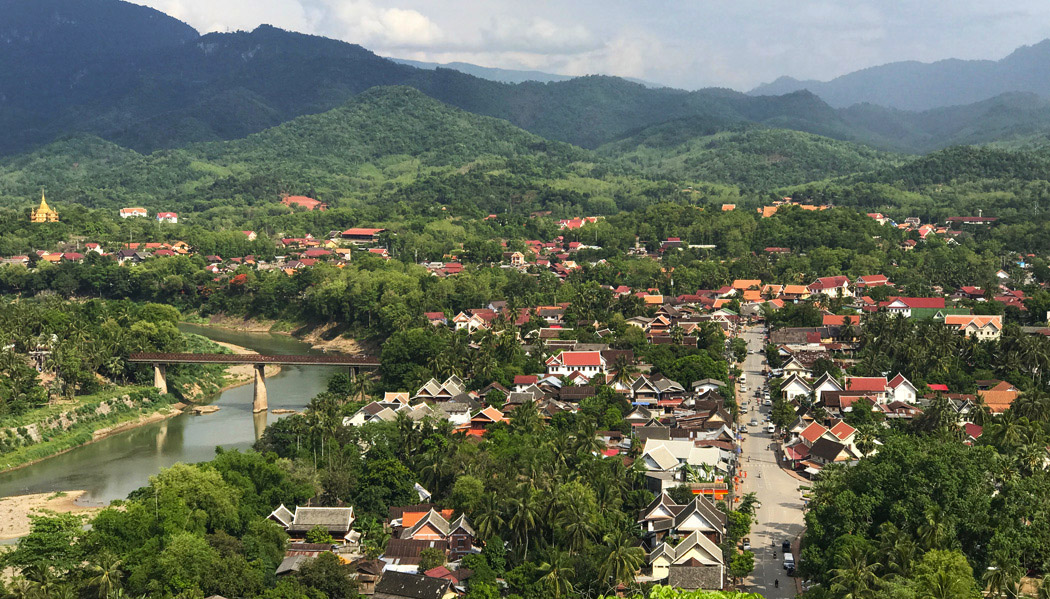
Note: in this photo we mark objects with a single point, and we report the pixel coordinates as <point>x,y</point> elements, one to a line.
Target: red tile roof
<point>860,383</point>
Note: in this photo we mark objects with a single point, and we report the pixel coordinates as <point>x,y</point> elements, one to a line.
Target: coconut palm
<point>106,575</point>
<point>856,579</point>
<point>524,513</point>
<point>1002,579</point>
<point>623,557</point>
<point>556,574</point>
<point>488,521</point>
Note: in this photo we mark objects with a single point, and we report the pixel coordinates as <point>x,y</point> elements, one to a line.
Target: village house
<point>133,213</point>
<point>167,217</point>
<point>362,236</point>
<point>983,328</point>
<point>831,286</point>
<point>587,363</point>
<point>336,520</point>
<point>406,585</point>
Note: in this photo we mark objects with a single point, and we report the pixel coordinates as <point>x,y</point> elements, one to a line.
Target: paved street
<point>780,517</point>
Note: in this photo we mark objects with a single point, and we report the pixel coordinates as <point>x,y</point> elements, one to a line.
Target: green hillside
<point>749,156</point>
<point>382,135</point>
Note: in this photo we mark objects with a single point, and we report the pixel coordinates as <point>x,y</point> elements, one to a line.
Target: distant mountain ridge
<point>921,86</point>
<point>136,77</point>
<point>501,75</point>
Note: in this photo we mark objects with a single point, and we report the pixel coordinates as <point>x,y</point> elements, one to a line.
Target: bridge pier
<point>160,378</point>
<point>259,403</point>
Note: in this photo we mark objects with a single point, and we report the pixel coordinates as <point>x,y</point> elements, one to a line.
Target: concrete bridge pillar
<point>259,404</point>
<point>160,378</point>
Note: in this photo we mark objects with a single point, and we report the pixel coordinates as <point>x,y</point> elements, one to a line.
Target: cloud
<point>363,22</point>
<point>536,35</point>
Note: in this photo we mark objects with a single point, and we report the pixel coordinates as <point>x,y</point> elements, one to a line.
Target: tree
<point>855,578</point>
<point>495,553</point>
<point>742,564</point>
<point>944,575</point>
<point>782,414</point>
<point>623,557</point>
<point>430,558</point>
<point>318,534</point>
<point>738,525</point>
<point>329,575</point>
<point>50,544</point>
<point>105,576</point>
<point>556,574</point>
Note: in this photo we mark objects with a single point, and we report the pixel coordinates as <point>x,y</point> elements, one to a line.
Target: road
<point>780,516</point>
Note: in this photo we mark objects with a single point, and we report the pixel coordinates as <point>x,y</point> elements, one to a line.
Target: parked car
<point>789,561</point>
<point>747,544</point>
<point>753,422</point>
<point>786,546</point>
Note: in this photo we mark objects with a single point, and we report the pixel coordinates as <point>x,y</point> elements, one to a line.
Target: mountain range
<point>145,81</point>
<point>912,85</point>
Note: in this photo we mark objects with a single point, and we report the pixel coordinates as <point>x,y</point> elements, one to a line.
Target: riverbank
<point>242,374</point>
<point>327,337</point>
<point>53,430</point>
<point>15,511</point>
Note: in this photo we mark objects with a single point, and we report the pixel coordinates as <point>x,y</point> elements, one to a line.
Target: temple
<point>43,213</point>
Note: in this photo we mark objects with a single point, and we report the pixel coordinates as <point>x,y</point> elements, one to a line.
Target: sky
<point>682,43</point>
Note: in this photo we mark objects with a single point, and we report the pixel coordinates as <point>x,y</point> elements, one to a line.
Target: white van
<point>743,378</point>
<point>789,561</point>
<point>771,428</point>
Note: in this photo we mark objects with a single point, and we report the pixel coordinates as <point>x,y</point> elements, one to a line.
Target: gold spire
<point>44,213</point>
<point>43,202</point>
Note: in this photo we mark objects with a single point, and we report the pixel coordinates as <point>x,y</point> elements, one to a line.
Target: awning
<point>811,471</point>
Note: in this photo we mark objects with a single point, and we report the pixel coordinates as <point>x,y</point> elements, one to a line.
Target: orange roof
<point>409,519</point>
<point>653,299</point>
<point>842,430</point>
<point>813,432</point>
<point>772,289</point>
<point>962,321</point>
<point>767,211</point>
<point>752,295</point>
<point>742,284</point>
<point>728,207</point>
<point>998,401</point>
<point>796,289</point>
<point>838,320</point>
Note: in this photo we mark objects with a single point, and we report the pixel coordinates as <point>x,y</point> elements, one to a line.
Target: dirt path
<point>15,510</point>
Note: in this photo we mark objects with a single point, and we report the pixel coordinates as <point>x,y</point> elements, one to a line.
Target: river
<point>113,467</point>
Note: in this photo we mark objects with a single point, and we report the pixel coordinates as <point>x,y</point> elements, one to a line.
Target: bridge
<point>259,361</point>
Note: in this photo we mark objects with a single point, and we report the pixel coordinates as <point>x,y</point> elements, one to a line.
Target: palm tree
<point>933,532</point>
<point>1002,579</point>
<point>556,574</point>
<point>623,558</point>
<point>856,579</point>
<point>524,514</point>
<point>106,576</point>
<point>624,371</point>
<point>577,526</point>
<point>945,585</point>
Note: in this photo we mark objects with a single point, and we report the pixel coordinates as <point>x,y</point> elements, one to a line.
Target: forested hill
<point>750,156</point>
<point>384,134</point>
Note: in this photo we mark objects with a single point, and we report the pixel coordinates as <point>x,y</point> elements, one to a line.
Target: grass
<point>44,412</point>
<point>77,435</point>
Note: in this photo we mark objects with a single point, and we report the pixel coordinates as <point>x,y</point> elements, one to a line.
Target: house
<point>435,391</point>
<point>664,518</point>
<point>706,385</point>
<point>905,305</point>
<point>167,217</point>
<point>336,520</point>
<point>982,328</point>
<point>43,213</point>
<point>795,386</point>
<point>305,202</point>
<point>515,259</point>
<point>664,455</point>
<point>825,451</point>
<point>251,235</point>
<point>437,526</point>
<point>588,363</point>
<point>362,235</point>
<point>875,386</point>
<point>902,390</point>
<point>646,390</point>
<point>404,585</point>
<point>1000,397</point>
<point>831,286</point>
<point>866,282</point>
<point>794,293</point>
<point>480,421</point>
<point>133,212</point>
<point>473,320</point>
<point>694,563</point>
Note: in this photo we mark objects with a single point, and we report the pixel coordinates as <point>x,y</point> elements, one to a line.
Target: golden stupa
<point>43,213</point>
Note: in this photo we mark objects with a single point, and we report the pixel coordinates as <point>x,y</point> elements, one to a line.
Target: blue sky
<point>682,43</point>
